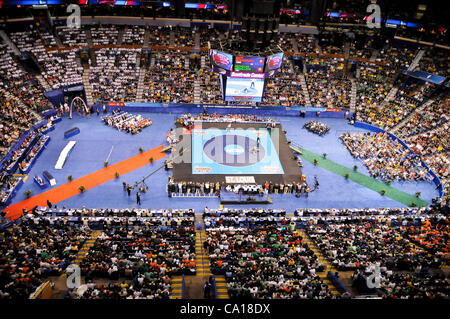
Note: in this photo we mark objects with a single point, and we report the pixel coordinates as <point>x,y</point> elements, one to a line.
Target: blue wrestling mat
<point>232,151</point>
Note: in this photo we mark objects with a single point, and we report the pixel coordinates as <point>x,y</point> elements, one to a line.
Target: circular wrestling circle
<point>234,150</point>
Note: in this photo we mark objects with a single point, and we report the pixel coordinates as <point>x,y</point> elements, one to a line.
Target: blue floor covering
<point>96,139</point>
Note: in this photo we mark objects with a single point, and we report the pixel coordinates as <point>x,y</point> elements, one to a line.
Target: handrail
<point>39,291</point>
<point>337,283</point>
<point>182,287</point>
<point>215,287</point>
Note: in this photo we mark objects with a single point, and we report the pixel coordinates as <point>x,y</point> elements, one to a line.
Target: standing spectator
<point>138,198</point>
<point>207,290</point>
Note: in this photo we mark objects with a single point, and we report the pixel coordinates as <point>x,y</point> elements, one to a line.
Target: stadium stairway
<point>89,37</point>
<point>322,259</point>
<point>146,39</point>
<point>121,33</point>
<point>43,42</point>
<point>393,92</point>
<point>140,87</point>
<point>318,46</point>
<point>57,38</point>
<point>197,40</point>
<point>202,259</point>
<point>172,38</point>
<point>203,267</point>
<point>43,82</point>
<point>152,62</point>
<point>346,50</point>
<point>8,41</point>
<point>417,58</point>
<point>193,285</point>
<point>197,91</point>
<point>295,45</point>
<point>353,96</point>
<point>406,119</point>
<point>78,61</point>
<point>177,287</point>
<point>87,87</point>
<point>390,95</point>
<point>374,55</point>
<point>60,282</point>
<point>305,90</point>
<point>221,287</point>
<point>87,245</point>
<point>203,61</point>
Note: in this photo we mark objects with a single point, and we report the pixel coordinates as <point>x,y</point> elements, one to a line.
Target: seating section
<point>104,34</point>
<point>211,92</point>
<point>71,37</point>
<point>385,158</point>
<point>285,88</point>
<point>327,86</point>
<point>159,35</point>
<point>364,52</point>
<point>262,257</point>
<point>429,118</point>
<point>183,37</point>
<point>431,142</point>
<point>115,76</point>
<point>133,35</point>
<point>435,61</point>
<point>408,252</point>
<point>307,43</point>
<point>48,38</point>
<point>168,81</point>
<point>43,248</point>
<point>61,68</point>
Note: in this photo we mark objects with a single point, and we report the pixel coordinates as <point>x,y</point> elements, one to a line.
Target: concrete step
<point>410,115</point>
<point>322,259</point>
<point>8,41</point>
<point>222,291</point>
<point>176,284</point>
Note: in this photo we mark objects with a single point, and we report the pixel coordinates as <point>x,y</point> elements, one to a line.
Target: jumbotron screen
<point>241,89</point>
<point>221,59</point>
<point>249,64</point>
<point>274,62</point>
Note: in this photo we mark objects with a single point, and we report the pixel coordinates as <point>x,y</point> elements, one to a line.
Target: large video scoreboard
<point>243,78</point>
<point>249,64</point>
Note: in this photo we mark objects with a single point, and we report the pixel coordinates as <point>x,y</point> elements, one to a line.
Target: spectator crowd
<point>317,127</point>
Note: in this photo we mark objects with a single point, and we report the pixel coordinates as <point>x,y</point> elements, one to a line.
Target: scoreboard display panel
<point>249,64</point>
<point>241,89</point>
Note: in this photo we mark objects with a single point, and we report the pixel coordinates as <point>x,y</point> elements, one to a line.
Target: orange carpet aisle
<point>92,180</point>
